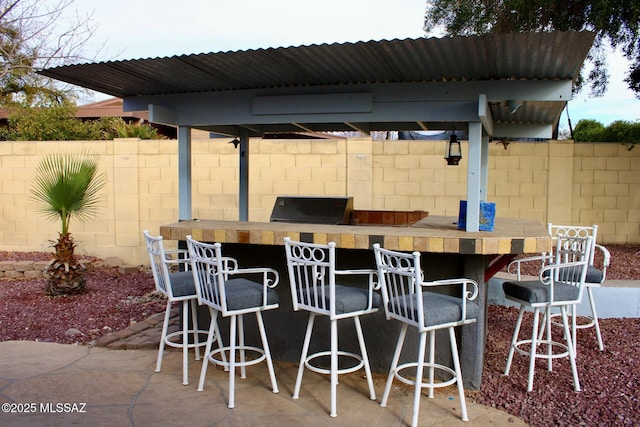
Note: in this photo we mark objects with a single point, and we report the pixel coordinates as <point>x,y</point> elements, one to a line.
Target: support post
<point>474,176</point>
<point>184,173</point>
<point>243,153</point>
<point>484,168</point>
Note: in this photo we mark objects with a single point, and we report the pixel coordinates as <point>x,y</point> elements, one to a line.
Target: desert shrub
<point>621,131</point>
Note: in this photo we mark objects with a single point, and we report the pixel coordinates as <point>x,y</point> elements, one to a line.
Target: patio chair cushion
<point>348,298</point>
<point>438,308</point>
<point>243,293</point>
<point>182,284</point>
<point>534,291</point>
<point>594,275</point>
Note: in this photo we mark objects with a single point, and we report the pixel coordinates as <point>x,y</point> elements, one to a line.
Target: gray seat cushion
<point>182,284</point>
<point>594,275</point>
<point>534,291</point>
<point>349,299</point>
<point>244,293</point>
<point>438,308</point>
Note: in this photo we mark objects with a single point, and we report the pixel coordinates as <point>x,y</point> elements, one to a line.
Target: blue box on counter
<point>487,215</point>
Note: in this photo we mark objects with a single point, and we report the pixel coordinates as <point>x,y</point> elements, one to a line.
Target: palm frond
<point>67,186</point>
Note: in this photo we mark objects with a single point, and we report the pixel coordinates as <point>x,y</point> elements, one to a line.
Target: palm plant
<point>66,186</point>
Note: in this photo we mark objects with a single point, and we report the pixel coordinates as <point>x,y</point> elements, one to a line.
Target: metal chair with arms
<point>227,291</point>
<point>177,287</point>
<point>560,284</point>
<point>410,300</point>
<point>594,279</point>
<point>313,279</point>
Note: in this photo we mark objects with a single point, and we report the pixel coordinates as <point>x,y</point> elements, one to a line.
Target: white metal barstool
<point>313,276</point>
<point>412,301</point>
<point>560,284</point>
<point>177,287</point>
<point>227,291</point>
<point>594,279</point>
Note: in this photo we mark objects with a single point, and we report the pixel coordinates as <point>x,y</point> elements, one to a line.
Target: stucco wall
<point>556,181</point>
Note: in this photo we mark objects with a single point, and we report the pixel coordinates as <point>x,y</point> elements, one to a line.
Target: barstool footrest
<point>554,344</point>
<point>437,366</point>
<point>238,363</point>
<point>171,339</point>
<point>588,321</point>
<point>327,371</point>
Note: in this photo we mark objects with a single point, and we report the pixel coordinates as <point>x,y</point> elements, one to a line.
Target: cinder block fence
<point>555,181</point>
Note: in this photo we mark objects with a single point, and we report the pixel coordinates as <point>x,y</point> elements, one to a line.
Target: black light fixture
<point>454,151</point>
<point>513,106</point>
<point>235,142</point>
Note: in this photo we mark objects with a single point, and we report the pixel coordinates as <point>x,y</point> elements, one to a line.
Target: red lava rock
<point>610,395</point>
<point>26,313</point>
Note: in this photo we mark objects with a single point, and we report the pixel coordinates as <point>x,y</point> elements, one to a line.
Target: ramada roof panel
<point>530,56</point>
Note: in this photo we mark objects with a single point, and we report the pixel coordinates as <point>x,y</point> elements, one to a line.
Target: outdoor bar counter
<point>447,253</point>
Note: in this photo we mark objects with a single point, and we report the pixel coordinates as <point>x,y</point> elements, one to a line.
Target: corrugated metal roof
<point>530,56</point>
<point>490,59</point>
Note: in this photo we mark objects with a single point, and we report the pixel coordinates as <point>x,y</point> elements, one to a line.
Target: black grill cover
<point>313,210</point>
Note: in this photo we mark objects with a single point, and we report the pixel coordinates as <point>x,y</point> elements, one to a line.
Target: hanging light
<point>454,151</point>
<point>513,106</point>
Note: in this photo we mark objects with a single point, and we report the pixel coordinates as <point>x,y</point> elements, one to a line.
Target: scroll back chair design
<point>177,287</point>
<point>595,276</point>
<point>313,278</point>
<point>560,284</point>
<point>228,291</point>
<point>412,301</point>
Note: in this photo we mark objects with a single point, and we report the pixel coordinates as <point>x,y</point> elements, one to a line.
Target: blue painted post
<point>184,173</point>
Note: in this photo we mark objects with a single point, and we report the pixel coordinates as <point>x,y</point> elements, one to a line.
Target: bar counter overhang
<point>447,252</point>
<point>434,234</point>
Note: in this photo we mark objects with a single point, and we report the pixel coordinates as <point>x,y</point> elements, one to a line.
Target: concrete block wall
<point>554,181</point>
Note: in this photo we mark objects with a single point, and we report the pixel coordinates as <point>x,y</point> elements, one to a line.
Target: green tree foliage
<point>118,128</point>
<point>33,36</point>
<point>588,131</point>
<point>614,21</point>
<point>55,123</point>
<point>621,131</point>
<point>58,123</point>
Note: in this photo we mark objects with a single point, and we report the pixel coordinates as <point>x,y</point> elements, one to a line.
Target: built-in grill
<point>313,210</point>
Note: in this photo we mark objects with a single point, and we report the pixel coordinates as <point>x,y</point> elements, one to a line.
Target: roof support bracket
<point>484,113</point>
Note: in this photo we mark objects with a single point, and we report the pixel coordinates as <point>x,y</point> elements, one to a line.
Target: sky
<point>134,29</point>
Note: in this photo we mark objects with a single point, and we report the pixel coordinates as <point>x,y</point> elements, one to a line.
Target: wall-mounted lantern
<point>454,151</point>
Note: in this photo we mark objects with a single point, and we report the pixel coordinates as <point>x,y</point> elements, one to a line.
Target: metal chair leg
<point>365,358</point>
<point>394,364</point>
<point>419,372</point>
<point>163,336</point>
<point>303,356</point>
<point>594,316</point>
<point>514,339</point>
<point>572,355</point>
<point>185,342</point>
<point>267,352</point>
<point>334,367</point>
<point>207,351</point>
<point>456,365</point>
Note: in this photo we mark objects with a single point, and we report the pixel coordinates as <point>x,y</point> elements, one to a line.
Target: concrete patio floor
<point>98,386</point>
